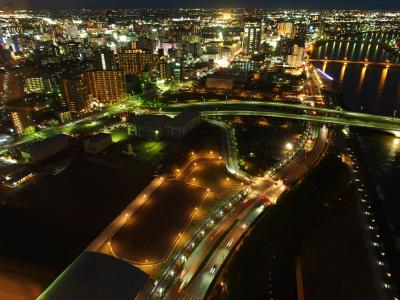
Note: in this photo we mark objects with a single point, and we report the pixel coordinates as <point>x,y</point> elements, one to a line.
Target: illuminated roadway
<point>224,108</point>
<point>250,105</point>
<point>256,109</point>
<point>206,261</point>
<point>195,280</point>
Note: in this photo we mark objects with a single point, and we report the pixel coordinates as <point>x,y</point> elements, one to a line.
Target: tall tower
<point>252,36</point>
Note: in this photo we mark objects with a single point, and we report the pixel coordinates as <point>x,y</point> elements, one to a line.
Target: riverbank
<point>270,249</point>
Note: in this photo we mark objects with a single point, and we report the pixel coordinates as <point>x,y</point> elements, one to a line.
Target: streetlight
<point>289,146</point>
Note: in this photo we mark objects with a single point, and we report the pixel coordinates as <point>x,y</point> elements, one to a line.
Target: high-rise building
<point>106,86</point>
<point>134,61</point>
<point>287,29</point>
<point>295,60</point>
<point>104,59</point>
<point>21,120</point>
<point>162,65</point>
<point>75,93</point>
<point>252,36</point>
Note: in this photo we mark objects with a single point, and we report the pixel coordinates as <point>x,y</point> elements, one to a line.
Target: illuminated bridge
<point>373,37</point>
<point>361,62</point>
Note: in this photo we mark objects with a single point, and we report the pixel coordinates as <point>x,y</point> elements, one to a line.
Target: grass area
<point>119,135</point>
<point>87,128</point>
<point>148,150</point>
<point>262,141</point>
<point>276,240</point>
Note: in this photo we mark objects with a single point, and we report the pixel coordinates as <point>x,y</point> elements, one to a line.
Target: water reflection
<point>361,81</point>
<point>395,147</point>
<point>352,51</point>
<point>360,53</point>
<point>347,49</point>
<point>376,51</point>
<point>368,50</point>
<point>340,48</point>
<point>324,66</point>
<point>342,72</point>
<point>382,82</point>
<point>378,91</point>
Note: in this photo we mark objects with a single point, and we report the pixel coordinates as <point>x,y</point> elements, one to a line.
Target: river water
<point>372,89</point>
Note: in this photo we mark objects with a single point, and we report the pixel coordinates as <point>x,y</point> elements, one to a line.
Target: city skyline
<point>274,4</point>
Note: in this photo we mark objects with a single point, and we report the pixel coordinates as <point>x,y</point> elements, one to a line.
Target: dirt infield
<point>151,233</point>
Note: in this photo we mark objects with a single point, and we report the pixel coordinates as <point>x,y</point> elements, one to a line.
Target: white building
<point>286,29</point>
<point>296,59</point>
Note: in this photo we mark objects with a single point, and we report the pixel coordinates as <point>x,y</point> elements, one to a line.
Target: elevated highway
<point>292,111</point>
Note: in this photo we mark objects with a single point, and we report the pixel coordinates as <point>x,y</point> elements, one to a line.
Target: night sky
<point>366,4</point>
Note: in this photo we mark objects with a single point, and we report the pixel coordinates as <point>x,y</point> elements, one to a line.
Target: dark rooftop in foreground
<point>96,276</point>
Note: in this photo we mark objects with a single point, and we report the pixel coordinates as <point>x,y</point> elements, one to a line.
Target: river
<point>373,89</point>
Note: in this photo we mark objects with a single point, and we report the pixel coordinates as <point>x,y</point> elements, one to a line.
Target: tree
<point>133,84</point>
<point>30,130</point>
<point>53,123</point>
<point>150,92</point>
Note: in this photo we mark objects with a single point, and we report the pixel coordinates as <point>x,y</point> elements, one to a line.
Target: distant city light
<point>223,62</point>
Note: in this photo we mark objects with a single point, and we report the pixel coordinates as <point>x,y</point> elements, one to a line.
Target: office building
<point>252,36</point>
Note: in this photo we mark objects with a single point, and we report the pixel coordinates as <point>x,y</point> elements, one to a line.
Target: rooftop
<point>96,276</point>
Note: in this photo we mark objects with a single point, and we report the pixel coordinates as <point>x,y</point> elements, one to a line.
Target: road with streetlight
<point>334,116</point>
<point>202,267</point>
<point>296,169</point>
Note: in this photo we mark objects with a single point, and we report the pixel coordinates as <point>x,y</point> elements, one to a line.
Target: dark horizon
<point>274,4</point>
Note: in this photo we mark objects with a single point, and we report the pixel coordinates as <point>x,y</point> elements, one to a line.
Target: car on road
<point>230,243</point>
<point>213,269</point>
